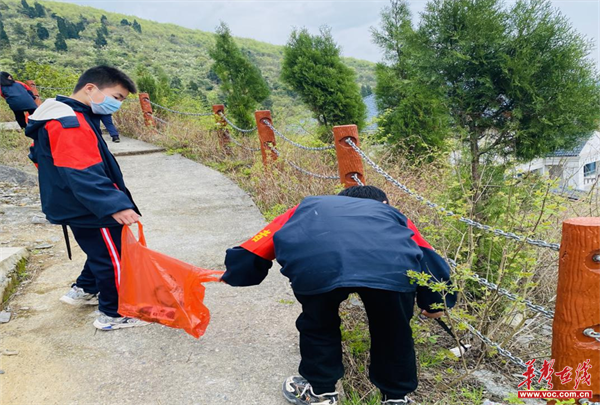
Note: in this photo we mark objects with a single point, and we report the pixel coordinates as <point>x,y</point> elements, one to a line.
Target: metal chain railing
<point>503,352</point>
<point>242,130</point>
<point>179,112</point>
<point>357,179</point>
<point>300,169</point>
<point>503,291</point>
<point>591,333</point>
<point>296,144</point>
<point>468,221</point>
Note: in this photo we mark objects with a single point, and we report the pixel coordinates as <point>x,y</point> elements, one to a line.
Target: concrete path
<point>192,213</point>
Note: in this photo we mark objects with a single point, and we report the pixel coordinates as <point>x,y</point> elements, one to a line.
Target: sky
<point>272,20</point>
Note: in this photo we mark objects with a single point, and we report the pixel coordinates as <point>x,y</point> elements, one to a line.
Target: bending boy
<point>81,185</point>
<point>330,247</point>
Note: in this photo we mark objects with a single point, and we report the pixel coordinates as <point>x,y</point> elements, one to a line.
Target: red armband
<point>262,244</point>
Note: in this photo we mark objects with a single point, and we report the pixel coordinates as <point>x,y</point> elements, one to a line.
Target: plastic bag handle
<point>141,237</point>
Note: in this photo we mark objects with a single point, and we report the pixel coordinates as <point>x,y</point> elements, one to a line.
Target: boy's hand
<point>126,217</point>
<point>432,315</point>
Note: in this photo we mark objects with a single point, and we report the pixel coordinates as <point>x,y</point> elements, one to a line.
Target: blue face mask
<point>108,106</point>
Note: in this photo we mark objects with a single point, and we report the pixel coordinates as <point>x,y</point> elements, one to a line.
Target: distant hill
<point>131,42</point>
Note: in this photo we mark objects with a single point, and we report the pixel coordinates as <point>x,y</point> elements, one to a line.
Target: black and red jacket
<point>81,183</point>
<point>18,96</point>
<point>329,242</point>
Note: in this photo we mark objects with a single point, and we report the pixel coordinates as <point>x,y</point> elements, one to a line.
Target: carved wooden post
<point>222,131</point>
<point>147,109</point>
<point>578,303</point>
<point>349,162</point>
<point>266,136</point>
<point>34,90</point>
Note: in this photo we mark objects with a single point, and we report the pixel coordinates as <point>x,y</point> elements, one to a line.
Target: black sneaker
<point>299,391</point>
<point>404,401</point>
<point>116,139</point>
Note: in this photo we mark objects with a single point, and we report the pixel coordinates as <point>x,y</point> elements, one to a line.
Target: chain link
<point>468,221</point>
<point>161,120</point>
<point>179,112</point>
<point>590,332</point>
<point>503,352</point>
<point>296,144</point>
<point>357,179</point>
<point>300,169</point>
<point>503,291</point>
<point>242,130</point>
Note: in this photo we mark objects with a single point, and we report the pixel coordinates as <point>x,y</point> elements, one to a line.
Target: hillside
<point>181,52</point>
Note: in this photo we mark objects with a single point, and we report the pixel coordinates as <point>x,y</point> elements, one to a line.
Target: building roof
<point>571,152</point>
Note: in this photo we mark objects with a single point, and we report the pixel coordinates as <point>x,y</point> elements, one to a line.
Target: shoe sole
<point>78,303</point>
<point>108,326</point>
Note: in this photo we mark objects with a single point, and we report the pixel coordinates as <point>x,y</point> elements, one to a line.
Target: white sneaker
<point>105,322</point>
<point>76,296</point>
<point>405,400</point>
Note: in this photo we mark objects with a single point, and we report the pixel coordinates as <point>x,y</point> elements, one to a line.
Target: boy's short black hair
<point>105,76</point>
<point>371,192</point>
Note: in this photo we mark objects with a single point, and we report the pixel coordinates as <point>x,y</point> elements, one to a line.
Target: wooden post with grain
<point>578,303</point>
<point>266,136</point>
<point>222,132</point>
<point>147,110</point>
<point>35,92</point>
<point>349,162</point>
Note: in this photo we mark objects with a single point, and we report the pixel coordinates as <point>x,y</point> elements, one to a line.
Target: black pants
<point>393,364</point>
<point>102,270</point>
<point>20,117</point>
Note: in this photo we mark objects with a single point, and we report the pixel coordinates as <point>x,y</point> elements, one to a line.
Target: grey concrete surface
<point>192,213</point>
<point>130,146</point>
<point>9,257</point>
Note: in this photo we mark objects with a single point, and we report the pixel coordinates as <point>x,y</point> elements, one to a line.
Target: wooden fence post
<point>222,131</point>
<point>349,162</point>
<point>578,303</point>
<point>266,136</point>
<point>35,92</point>
<point>147,109</point>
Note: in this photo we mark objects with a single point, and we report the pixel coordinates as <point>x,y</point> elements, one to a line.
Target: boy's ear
<point>385,202</point>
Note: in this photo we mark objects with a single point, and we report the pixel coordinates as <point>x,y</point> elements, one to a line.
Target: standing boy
<point>81,185</point>
<point>330,247</point>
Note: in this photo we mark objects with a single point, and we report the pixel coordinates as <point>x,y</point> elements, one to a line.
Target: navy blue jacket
<point>18,97</point>
<point>81,183</point>
<point>329,242</point>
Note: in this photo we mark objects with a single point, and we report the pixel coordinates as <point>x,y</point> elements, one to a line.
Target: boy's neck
<point>81,97</point>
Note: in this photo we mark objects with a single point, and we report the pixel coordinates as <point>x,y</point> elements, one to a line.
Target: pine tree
<point>104,20</point>
<point>28,10</point>
<point>60,43</point>
<point>137,27</point>
<point>40,11</point>
<point>125,22</point>
<point>4,41</point>
<point>100,40</point>
<point>242,82</point>
<point>42,32</point>
<point>313,68</point>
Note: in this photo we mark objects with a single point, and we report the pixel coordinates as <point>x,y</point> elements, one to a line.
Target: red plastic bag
<point>158,288</point>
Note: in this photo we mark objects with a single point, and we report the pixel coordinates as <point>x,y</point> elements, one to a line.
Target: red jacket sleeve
<point>261,244</point>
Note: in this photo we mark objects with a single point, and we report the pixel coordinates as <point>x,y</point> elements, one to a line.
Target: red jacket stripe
<point>417,236</point>
<point>262,244</point>
<point>75,148</point>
